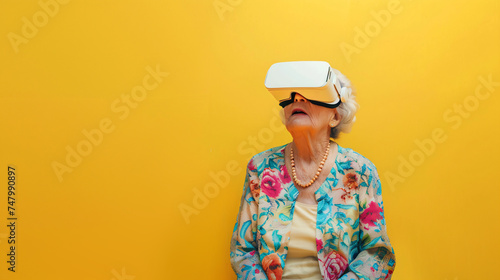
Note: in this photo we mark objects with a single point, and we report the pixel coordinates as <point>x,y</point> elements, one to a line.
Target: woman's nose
<point>299,98</point>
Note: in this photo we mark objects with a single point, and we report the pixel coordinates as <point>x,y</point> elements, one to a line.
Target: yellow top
<point>302,257</point>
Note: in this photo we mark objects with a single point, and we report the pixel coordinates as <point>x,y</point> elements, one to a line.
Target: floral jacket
<point>351,235</point>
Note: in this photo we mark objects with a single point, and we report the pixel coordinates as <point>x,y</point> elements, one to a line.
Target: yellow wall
<point>118,114</point>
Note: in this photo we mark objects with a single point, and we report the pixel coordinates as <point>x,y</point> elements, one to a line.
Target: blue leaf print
<point>323,211</point>
<point>373,242</point>
<point>276,240</point>
<point>294,193</point>
<point>262,231</point>
<point>250,199</point>
<point>261,166</point>
<point>244,228</point>
<point>247,269</point>
<point>346,207</point>
<point>340,217</point>
<point>364,185</point>
<point>343,165</point>
<point>356,264</point>
<point>343,246</point>
<point>278,203</point>
<point>264,245</point>
<point>273,165</point>
<point>356,223</point>
<point>248,244</point>
<point>346,238</point>
<point>285,218</point>
<point>379,189</point>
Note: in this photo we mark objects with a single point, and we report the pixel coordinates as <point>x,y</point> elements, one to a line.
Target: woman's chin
<point>298,124</point>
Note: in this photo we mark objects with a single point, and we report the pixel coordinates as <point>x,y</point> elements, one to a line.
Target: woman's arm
<point>245,258</point>
<point>376,259</point>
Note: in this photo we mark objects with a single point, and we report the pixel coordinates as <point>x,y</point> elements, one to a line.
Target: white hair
<point>347,108</point>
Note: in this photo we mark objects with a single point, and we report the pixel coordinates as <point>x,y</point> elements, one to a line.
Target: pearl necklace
<point>294,173</point>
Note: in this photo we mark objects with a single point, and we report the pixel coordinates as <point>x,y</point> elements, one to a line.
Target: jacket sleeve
<point>244,253</point>
<point>376,259</point>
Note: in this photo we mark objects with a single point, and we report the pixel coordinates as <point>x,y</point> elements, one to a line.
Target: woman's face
<point>303,115</point>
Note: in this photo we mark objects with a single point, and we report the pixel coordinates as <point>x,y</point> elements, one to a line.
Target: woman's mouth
<point>298,111</point>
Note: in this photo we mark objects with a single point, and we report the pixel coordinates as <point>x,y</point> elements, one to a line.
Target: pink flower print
<point>251,165</point>
<point>270,183</point>
<point>319,244</point>
<point>285,178</point>
<point>371,215</point>
<point>335,265</point>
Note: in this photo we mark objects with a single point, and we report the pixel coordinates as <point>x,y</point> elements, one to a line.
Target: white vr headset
<point>314,80</point>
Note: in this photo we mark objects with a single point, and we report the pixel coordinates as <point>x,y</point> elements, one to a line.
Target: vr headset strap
<point>287,102</point>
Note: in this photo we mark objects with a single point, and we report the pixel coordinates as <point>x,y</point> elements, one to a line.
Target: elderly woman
<point>312,209</point>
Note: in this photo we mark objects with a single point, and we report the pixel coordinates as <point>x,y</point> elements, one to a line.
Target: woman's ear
<point>335,120</point>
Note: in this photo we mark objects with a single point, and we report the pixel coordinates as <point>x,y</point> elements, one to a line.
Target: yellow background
<point>117,214</point>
